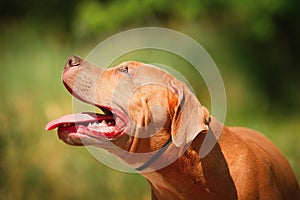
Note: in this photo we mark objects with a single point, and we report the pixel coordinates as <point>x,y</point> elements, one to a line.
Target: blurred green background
<point>255,45</point>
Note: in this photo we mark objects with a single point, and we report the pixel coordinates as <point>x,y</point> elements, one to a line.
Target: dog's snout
<point>73,61</point>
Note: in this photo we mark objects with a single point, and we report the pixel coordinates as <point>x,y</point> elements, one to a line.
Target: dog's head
<point>143,106</point>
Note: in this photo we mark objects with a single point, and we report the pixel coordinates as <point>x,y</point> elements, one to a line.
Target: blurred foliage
<point>255,44</point>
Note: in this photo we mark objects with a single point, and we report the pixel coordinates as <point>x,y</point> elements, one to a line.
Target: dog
<point>156,125</point>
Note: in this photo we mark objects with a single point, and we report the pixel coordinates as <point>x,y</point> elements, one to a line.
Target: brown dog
<point>148,112</point>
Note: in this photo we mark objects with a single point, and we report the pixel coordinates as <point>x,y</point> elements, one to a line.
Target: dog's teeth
<point>110,123</point>
<point>104,122</point>
<point>95,124</point>
<point>104,127</point>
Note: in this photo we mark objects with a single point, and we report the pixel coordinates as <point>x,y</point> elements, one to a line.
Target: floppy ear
<point>189,118</point>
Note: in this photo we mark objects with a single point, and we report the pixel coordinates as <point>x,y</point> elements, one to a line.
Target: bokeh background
<point>255,44</point>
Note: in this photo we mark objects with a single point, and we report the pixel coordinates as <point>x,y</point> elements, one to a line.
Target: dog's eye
<point>124,70</point>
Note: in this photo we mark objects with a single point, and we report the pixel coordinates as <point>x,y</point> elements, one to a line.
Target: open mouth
<point>110,125</point>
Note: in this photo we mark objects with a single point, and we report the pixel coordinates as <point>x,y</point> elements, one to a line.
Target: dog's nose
<point>73,61</point>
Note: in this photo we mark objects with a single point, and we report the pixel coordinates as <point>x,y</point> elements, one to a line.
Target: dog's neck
<point>202,173</point>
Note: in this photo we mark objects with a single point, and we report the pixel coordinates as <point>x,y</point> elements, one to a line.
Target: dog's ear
<point>189,118</point>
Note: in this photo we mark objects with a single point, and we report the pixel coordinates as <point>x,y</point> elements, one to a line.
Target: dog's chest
<point>161,187</point>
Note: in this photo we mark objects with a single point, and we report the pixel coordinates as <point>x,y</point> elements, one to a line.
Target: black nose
<point>73,61</point>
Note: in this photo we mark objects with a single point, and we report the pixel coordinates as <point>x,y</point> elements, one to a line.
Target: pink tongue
<point>77,118</point>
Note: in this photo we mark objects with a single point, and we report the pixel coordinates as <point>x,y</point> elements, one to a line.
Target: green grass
<point>36,165</point>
